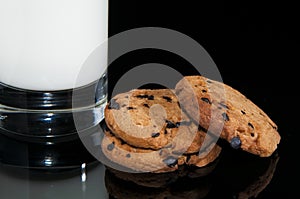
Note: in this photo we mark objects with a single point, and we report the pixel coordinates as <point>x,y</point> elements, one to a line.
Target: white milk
<point>44,43</point>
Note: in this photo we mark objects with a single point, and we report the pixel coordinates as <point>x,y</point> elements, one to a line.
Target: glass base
<point>51,157</point>
<point>39,129</point>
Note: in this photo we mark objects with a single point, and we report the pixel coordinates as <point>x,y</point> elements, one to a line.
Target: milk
<point>45,43</point>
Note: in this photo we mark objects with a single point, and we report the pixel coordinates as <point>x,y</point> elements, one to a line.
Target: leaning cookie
<point>149,160</point>
<point>220,108</point>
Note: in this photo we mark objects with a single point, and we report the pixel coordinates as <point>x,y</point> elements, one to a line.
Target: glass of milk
<point>48,52</point>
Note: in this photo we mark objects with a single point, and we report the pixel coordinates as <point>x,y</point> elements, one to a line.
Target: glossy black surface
<point>248,177</point>
<point>46,156</point>
<point>254,45</point>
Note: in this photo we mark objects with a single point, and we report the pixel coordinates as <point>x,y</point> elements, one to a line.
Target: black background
<point>252,43</point>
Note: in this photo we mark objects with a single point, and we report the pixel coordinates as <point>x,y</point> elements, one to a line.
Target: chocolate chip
<point>154,135</point>
<point>244,113</point>
<point>111,146</point>
<point>224,105</point>
<point>122,142</point>
<point>130,108</point>
<point>128,155</point>
<point>204,91</point>
<point>146,105</point>
<point>104,126</point>
<point>170,124</point>
<point>206,100</point>
<point>252,134</point>
<point>171,161</point>
<point>235,142</point>
<point>166,132</point>
<point>149,97</point>
<point>142,96</point>
<point>113,104</point>
<point>200,128</point>
<point>225,116</point>
<point>249,124</point>
<point>167,98</point>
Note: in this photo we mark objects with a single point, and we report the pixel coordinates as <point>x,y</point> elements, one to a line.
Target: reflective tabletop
<point>233,175</point>
<point>83,183</point>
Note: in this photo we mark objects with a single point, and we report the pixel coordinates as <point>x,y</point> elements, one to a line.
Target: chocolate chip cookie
<point>165,159</point>
<point>153,119</point>
<point>144,118</point>
<point>225,112</point>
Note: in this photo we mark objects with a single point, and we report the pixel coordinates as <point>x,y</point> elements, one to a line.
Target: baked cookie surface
<point>149,160</point>
<point>225,112</point>
<point>153,119</point>
<point>144,118</point>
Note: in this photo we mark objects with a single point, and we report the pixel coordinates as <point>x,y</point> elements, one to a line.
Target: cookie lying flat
<point>153,119</point>
<point>149,160</point>
<point>144,118</point>
<point>219,107</point>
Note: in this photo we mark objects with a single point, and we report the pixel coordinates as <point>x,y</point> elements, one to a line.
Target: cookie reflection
<point>261,182</point>
<point>192,183</point>
<point>211,181</point>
